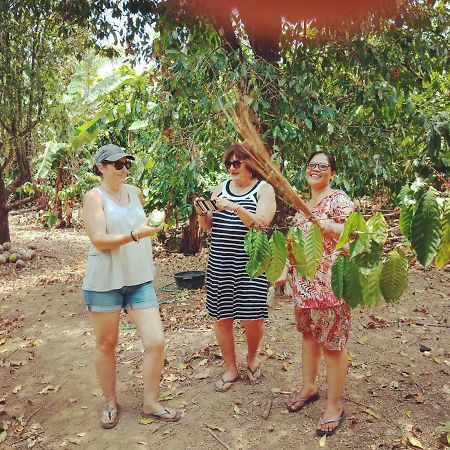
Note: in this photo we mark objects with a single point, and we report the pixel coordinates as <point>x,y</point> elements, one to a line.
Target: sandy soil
<point>396,395</point>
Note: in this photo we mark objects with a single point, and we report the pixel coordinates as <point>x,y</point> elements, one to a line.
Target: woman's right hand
<point>197,208</point>
<point>147,231</point>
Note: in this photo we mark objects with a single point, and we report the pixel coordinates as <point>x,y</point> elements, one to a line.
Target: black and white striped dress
<point>230,293</point>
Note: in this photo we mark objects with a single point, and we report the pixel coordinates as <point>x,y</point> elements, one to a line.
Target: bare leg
<point>311,353</point>
<point>254,331</point>
<point>149,327</point>
<point>337,366</point>
<point>225,339</point>
<point>106,329</point>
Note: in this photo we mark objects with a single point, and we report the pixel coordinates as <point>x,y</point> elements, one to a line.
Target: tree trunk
<point>191,241</point>
<point>4,225</point>
<point>58,203</point>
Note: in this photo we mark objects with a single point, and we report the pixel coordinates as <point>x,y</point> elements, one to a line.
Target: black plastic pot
<point>193,279</point>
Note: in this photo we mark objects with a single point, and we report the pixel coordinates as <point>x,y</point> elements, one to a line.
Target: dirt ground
<point>396,395</point>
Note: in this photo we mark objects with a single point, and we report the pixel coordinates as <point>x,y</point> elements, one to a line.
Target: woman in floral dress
<point>323,320</point>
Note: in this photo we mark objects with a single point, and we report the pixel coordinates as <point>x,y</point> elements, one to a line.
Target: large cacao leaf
<point>296,246</point>
<point>355,222</point>
<point>313,251</point>
<point>426,228</point>
<point>256,245</point>
<point>370,282</point>
<point>378,226</point>
<point>352,294</point>
<point>406,216</point>
<point>443,254</point>
<point>394,275</point>
<point>370,258</point>
<point>278,255</point>
<point>337,277</point>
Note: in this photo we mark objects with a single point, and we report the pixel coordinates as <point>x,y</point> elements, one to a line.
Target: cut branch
<point>262,162</point>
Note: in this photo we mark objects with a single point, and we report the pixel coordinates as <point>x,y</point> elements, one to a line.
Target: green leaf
<point>50,219</point>
<point>313,251</point>
<point>277,256</point>
<point>296,247</point>
<point>337,277</point>
<point>352,293</point>
<point>308,123</point>
<point>377,225</point>
<point>394,275</point>
<point>443,254</point>
<point>51,150</point>
<point>2,436</point>
<point>370,282</point>
<point>370,258</point>
<point>406,216</point>
<point>355,222</point>
<point>426,228</point>
<point>138,124</point>
<point>256,245</point>
<point>357,247</point>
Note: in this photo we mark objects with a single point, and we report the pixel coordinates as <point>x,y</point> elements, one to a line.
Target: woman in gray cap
<point>119,275</point>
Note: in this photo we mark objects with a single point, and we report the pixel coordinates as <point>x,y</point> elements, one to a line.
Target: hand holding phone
<point>206,205</point>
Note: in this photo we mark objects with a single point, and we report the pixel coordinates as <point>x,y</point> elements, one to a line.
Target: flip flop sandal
<point>110,413</point>
<point>305,400</point>
<point>255,374</point>
<point>175,418</point>
<point>225,382</point>
<point>339,421</point>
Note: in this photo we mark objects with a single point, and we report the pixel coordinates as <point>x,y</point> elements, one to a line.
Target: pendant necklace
<point>118,198</point>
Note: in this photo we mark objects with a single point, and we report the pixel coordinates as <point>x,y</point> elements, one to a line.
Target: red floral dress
<point>318,293</point>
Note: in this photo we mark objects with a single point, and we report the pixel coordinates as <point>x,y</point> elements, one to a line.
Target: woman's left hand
<point>226,205</point>
<point>328,228</point>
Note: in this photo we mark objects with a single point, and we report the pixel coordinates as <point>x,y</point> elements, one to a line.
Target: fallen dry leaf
<point>267,408</point>
<point>215,427</point>
<point>323,440</point>
<point>17,389</point>
<point>145,421</point>
<point>415,442</point>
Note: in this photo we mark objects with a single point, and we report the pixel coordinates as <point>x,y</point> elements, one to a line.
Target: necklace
<point>118,198</point>
<point>243,188</point>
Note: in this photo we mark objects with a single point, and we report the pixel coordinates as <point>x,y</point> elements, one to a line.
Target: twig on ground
<point>218,439</point>
<point>32,414</point>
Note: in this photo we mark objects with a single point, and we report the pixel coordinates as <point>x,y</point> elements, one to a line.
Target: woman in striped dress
<point>243,201</point>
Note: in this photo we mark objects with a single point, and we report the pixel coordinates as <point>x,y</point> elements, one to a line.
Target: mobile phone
<point>207,205</point>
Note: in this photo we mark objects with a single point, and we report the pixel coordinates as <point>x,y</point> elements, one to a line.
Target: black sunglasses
<point>236,164</point>
<point>119,165</point>
<point>321,166</point>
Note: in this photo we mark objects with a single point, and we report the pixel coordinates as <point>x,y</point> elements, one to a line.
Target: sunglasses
<point>321,166</point>
<point>119,165</point>
<point>236,164</point>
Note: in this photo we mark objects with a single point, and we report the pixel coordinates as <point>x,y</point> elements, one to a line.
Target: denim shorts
<point>139,296</point>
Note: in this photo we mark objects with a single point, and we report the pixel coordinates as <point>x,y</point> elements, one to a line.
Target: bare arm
<point>95,225</point>
<point>265,209</point>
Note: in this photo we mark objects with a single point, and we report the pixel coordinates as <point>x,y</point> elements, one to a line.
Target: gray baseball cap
<point>110,152</point>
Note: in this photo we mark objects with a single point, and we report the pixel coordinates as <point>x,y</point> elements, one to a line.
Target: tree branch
<point>7,160</point>
<point>5,127</point>
<point>22,201</point>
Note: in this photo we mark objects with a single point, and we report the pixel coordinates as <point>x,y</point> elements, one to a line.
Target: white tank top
<point>127,265</point>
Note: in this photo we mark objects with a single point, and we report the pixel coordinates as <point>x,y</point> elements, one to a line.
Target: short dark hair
<point>96,171</point>
<point>330,158</point>
<point>240,152</point>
